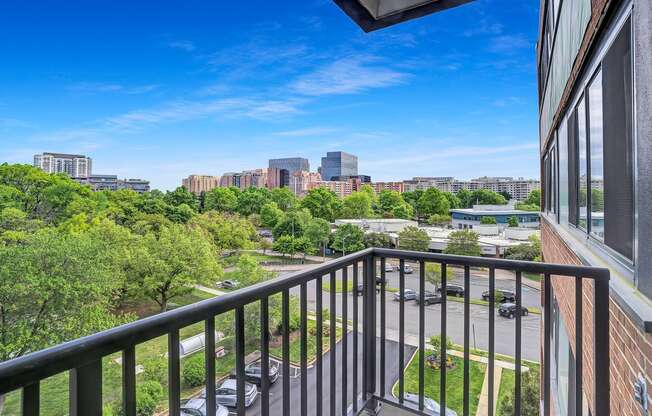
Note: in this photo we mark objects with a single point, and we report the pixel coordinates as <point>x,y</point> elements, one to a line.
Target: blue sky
<point>163,89</point>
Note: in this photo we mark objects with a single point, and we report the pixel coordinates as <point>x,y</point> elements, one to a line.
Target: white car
<point>430,406</point>
<point>197,407</point>
<point>226,393</point>
<point>389,267</point>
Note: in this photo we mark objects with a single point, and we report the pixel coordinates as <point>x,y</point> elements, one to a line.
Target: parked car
<point>380,280</point>
<point>229,284</point>
<point>408,294</point>
<point>389,267</point>
<point>429,298</point>
<point>253,373</point>
<point>453,290</point>
<point>197,407</point>
<point>501,295</point>
<point>226,395</point>
<point>407,269</point>
<point>508,310</point>
<point>430,406</point>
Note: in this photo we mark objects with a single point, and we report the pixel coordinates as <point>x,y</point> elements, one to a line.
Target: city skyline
<point>203,98</point>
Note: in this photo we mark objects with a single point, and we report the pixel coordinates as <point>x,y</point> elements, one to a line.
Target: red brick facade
<point>631,348</point>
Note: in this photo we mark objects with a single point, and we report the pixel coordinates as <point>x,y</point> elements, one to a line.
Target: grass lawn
<point>454,383</point>
<point>507,381</point>
<point>295,344</point>
<point>533,276</point>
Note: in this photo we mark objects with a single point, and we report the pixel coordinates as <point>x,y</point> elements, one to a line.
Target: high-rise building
<point>76,166</point>
<point>198,184</point>
<point>595,101</point>
<point>291,164</point>
<point>338,164</point>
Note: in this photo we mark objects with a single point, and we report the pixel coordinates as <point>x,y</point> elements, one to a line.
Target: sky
<point>163,89</point>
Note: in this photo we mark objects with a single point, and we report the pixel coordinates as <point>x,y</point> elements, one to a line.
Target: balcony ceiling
<point>372,15</point>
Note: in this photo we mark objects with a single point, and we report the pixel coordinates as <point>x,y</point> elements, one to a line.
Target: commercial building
<point>112,183</point>
<point>338,164</point>
<point>291,164</point>
<point>76,166</point>
<point>595,101</point>
<point>471,218</point>
<point>198,184</point>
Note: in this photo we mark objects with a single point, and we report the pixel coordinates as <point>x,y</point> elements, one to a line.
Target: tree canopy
<point>413,238</point>
<point>463,243</point>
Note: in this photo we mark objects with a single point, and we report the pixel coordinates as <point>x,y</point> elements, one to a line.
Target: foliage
<point>512,222</point>
<point>439,220</point>
<point>487,197</point>
<point>252,199</point>
<point>453,200</point>
<point>466,198</point>
<point>526,207</point>
<point>404,211</point>
<point>433,201</point>
<point>530,404</point>
<point>270,214</point>
<point>248,272</point>
<point>148,395</point>
<point>284,198</point>
<point>265,244</point>
<point>348,238</point>
<point>156,369</point>
<point>463,243</point>
<point>435,341</point>
<point>488,220</point>
<point>433,273</point>
<point>181,196</point>
<point>193,371</point>
<point>293,223</point>
<point>380,240</point>
<point>527,251</point>
<point>226,231</point>
<point>413,238</point>
<point>322,203</point>
<point>285,244</point>
<point>412,197</point>
<point>506,195</point>
<point>221,200</point>
<point>357,205</point>
<point>317,232</point>
<point>534,198</point>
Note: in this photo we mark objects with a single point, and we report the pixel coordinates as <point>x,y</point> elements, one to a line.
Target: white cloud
<point>184,45</point>
<point>310,131</point>
<point>508,43</point>
<point>347,76</point>
<point>99,87</point>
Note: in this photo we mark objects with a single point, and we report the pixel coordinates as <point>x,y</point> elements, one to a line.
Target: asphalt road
<point>276,390</point>
<point>479,319</point>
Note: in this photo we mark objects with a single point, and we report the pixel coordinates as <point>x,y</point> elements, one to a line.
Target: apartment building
<point>300,182</point>
<point>198,184</point>
<point>341,188</point>
<point>518,188</point>
<point>245,179</point>
<point>76,166</point>
<point>595,101</point>
<point>390,186</point>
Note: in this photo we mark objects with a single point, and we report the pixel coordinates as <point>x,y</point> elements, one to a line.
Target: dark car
<point>501,295</point>
<point>408,294</point>
<point>380,280</point>
<point>253,373</point>
<point>508,310</point>
<point>429,298</point>
<point>453,290</point>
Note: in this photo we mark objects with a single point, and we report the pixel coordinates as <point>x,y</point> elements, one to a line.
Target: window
<point>596,154</point>
<point>562,143</point>
<point>583,170</point>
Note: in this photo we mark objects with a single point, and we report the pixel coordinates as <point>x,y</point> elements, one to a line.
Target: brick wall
<point>630,347</point>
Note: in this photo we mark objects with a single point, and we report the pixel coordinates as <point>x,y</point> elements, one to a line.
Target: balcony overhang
<point>372,15</point>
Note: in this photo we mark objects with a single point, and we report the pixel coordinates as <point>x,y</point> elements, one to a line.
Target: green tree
<point>453,200</point>
<point>512,221</point>
<point>227,232</point>
<point>180,214</point>
<point>433,273</point>
<point>488,220</point>
<point>534,198</point>
<point>285,244</point>
<point>380,240</point>
<point>404,211</point>
<point>181,196</point>
<point>466,198</point>
<point>247,271</point>
<point>347,238</point>
<point>265,245</point>
<point>318,232</point>
<point>173,262</point>
<point>530,393</point>
<point>439,220</point>
<point>322,203</point>
<point>293,223</point>
<point>413,238</point>
<point>252,199</point>
<point>357,205</point>
<point>270,214</point>
<point>506,195</point>
<point>388,200</point>
<point>463,243</point>
<point>284,198</point>
<point>433,201</point>
<point>487,197</point>
<point>221,200</point>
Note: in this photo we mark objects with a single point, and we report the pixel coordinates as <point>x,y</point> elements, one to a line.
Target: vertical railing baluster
<point>240,360</point>
<point>86,389</point>
<point>264,356</point>
<point>174,374</point>
<point>304,349</point>
<point>579,373</point>
<point>601,365</point>
<point>355,337</point>
<point>401,333</point>
<point>345,335</point>
<point>492,334</point>
<point>443,352</point>
<point>209,358</point>
<point>369,378</point>
<point>31,400</point>
<point>286,352</point>
<point>422,335</point>
<point>517,347</point>
<point>319,365</point>
<point>382,326</point>
<point>365,329</point>
<point>332,339</point>
<point>467,328</point>
<point>547,330</point>
<point>129,381</point>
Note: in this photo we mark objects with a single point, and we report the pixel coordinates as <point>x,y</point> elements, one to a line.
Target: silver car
<point>408,294</point>
<point>226,394</point>
<point>197,407</point>
<point>430,406</point>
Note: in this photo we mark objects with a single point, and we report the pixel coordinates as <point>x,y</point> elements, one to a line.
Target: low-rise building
<point>112,183</point>
<point>379,225</point>
<point>462,218</point>
<point>390,186</point>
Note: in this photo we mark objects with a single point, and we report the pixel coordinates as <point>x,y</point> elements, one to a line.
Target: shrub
<point>435,341</point>
<point>148,394</point>
<point>193,371</point>
<point>529,396</point>
<point>513,222</point>
<point>488,221</point>
<point>156,369</point>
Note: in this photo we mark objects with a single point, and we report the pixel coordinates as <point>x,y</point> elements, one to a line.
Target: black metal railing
<point>83,357</point>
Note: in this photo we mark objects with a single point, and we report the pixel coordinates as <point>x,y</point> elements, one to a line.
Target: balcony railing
<point>83,357</point>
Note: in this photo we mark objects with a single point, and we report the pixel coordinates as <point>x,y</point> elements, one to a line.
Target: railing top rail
<point>25,370</point>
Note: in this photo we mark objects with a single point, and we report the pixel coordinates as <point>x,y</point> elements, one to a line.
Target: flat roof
<point>492,212</point>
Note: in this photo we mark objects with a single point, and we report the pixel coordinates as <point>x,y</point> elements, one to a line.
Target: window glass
<point>582,165</point>
<point>562,143</point>
<point>597,155</point>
